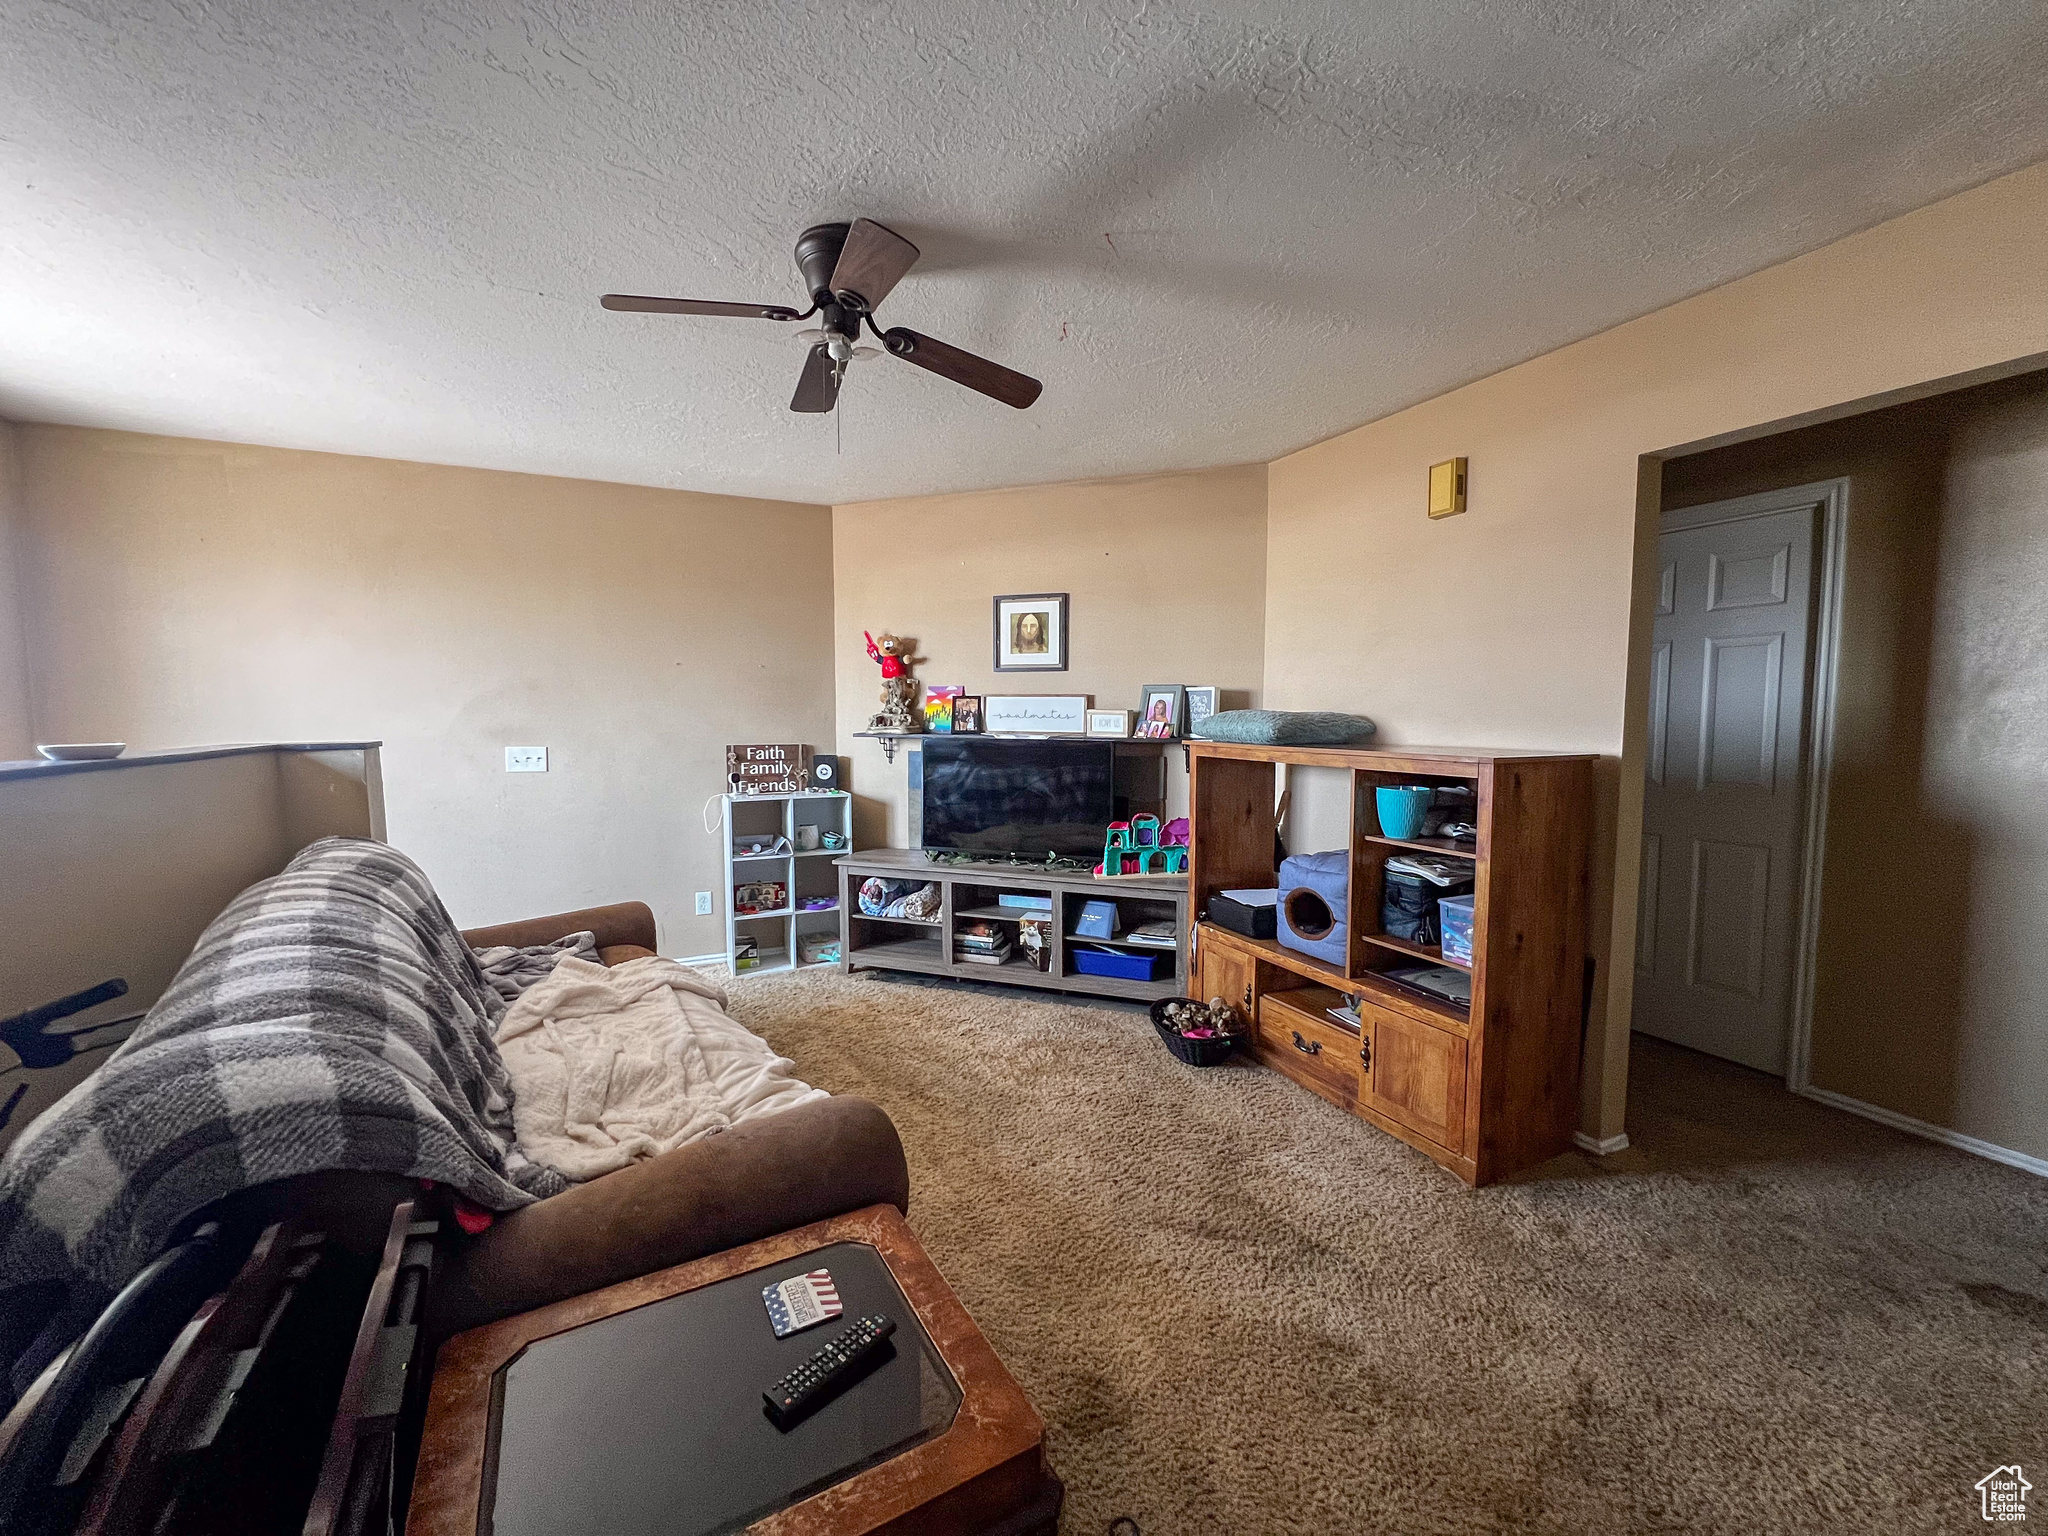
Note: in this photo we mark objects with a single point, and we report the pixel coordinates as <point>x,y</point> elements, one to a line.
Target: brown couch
<point>762,1177</point>
<point>759,1178</point>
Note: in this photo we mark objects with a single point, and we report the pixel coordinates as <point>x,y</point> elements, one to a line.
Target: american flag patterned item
<point>802,1301</point>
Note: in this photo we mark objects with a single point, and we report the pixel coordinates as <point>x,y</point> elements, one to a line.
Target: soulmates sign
<point>768,770</point>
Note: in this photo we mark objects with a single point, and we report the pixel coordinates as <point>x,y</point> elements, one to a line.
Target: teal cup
<point>1401,808</point>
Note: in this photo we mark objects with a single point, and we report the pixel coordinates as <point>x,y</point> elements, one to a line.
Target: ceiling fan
<point>848,269</point>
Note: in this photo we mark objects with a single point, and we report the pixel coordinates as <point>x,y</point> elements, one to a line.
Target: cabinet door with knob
<point>1416,1075</point>
<point>1227,973</point>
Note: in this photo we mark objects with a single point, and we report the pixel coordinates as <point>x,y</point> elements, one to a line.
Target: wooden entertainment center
<point>1484,1091</point>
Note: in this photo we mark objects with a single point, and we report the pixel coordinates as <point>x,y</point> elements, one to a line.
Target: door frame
<point>1817,738</point>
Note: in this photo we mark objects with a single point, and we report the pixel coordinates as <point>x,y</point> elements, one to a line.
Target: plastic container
<point>1456,918</point>
<point>1402,808</point>
<point>1120,963</point>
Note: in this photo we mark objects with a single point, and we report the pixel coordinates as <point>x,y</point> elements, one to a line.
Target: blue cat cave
<point>1314,902</point>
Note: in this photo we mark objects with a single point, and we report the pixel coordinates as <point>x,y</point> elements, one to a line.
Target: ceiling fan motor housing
<point>817,253</point>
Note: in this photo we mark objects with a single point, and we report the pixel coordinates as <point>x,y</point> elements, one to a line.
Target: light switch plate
<point>526,759</point>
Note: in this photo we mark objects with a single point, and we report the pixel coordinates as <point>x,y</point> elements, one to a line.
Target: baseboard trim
<point>1926,1131</point>
<point>1601,1146</point>
<point>713,961</point>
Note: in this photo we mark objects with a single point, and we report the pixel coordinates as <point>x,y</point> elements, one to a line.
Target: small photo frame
<point>1109,722</point>
<point>1031,632</point>
<point>967,715</point>
<point>1201,704</point>
<point>1159,711</point>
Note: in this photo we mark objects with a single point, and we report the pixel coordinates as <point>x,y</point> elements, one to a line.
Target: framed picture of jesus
<point>1031,632</point>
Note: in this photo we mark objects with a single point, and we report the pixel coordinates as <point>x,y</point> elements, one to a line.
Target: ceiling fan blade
<point>817,387</point>
<point>643,304</point>
<point>872,261</point>
<point>992,379</point>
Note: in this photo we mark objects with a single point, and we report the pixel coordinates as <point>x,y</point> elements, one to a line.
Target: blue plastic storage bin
<point>1455,915</point>
<point>1120,963</point>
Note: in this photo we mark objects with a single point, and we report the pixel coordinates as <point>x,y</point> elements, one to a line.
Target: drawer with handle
<point>1295,1036</point>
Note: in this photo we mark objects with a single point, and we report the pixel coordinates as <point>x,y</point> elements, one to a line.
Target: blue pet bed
<point>1314,896</point>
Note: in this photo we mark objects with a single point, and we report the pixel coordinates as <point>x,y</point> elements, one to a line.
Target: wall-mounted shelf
<point>890,740</point>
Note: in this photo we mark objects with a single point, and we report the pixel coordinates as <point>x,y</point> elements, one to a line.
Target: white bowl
<point>82,751</point>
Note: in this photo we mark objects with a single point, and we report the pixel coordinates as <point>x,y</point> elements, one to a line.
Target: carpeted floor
<point>1242,1311</point>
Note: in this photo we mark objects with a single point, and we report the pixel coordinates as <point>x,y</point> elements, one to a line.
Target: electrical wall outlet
<point>526,759</point>
<point>703,903</point>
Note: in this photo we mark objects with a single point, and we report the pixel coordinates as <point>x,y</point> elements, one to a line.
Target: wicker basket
<point>1196,1053</point>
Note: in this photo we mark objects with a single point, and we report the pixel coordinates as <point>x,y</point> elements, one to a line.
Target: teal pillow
<point>1285,728</point>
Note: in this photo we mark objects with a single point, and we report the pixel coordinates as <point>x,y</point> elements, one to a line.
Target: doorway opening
<point>1844,882</point>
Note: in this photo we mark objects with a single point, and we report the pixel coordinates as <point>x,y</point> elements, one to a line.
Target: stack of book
<point>982,943</point>
<point>1160,935</point>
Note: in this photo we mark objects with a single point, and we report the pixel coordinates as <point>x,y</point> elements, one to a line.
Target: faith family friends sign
<point>768,770</point>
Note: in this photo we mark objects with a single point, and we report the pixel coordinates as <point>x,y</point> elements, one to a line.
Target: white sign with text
<point>1036,713</point>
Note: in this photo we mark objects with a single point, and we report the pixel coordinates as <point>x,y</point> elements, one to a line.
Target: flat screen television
<point>1030,798</point>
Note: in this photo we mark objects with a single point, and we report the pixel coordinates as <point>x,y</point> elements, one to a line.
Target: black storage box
<point>1254,922</point>
<point>1408,905</point>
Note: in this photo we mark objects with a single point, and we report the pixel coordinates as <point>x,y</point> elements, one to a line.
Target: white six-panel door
<point>1724,791</point>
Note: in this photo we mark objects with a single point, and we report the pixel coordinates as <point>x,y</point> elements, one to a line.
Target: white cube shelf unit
<point>805,874</point>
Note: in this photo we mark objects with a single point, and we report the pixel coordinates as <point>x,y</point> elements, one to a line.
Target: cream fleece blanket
<point>614,1065</point>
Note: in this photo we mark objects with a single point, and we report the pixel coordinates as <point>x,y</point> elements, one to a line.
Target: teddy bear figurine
<point>899,688</point>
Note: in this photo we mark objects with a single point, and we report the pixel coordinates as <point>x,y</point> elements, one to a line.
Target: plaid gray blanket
<point>330,1018</point>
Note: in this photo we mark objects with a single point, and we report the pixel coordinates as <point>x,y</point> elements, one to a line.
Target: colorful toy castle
<point>1138,847</point>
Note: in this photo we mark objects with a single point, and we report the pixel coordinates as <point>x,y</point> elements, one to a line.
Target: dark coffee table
<point>638,1408</point>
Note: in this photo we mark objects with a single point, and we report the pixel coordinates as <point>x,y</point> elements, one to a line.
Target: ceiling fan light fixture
<point>848,269</point>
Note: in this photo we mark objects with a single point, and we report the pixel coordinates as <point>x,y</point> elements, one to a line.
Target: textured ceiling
<point>1216,232</point>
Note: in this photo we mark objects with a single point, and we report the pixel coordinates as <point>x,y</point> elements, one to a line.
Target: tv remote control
<point>813,1381</point>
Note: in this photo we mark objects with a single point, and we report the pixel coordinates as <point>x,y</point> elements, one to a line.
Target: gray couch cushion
<point>1286,728</point>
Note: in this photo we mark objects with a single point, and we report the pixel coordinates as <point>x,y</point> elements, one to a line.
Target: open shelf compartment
<point>801,874</point>
<point>973,905</point>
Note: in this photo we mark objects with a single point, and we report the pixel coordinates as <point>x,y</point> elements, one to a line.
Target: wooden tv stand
<point>1484,1091</point>
<point>970,890</point>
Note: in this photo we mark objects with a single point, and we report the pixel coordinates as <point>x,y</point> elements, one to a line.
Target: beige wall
<point>184,591</point>
<point>16,735</point>
<point>1931,963</point>
<point>1516,624</point>
<point>1166,583</point>
<point>114,872</point>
